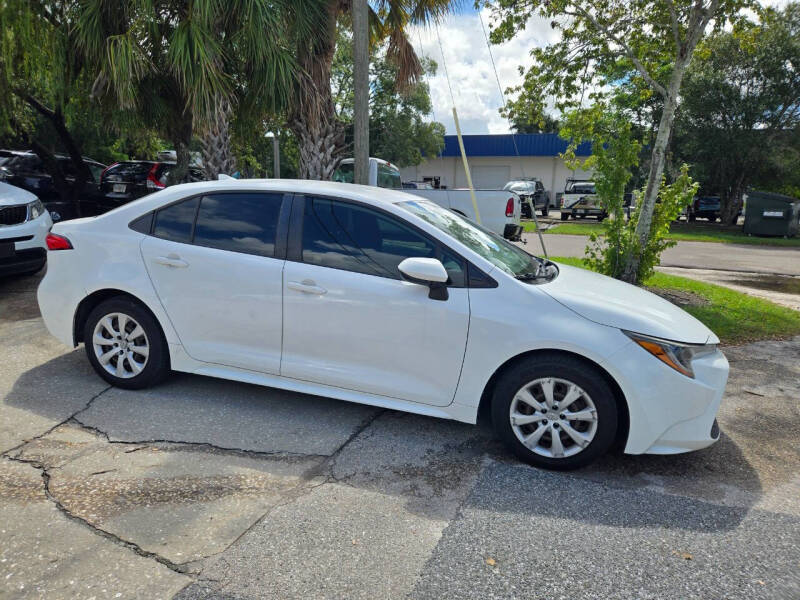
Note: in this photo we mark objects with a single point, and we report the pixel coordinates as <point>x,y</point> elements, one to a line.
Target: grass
<point>735,317</point>
<point>680,231</point>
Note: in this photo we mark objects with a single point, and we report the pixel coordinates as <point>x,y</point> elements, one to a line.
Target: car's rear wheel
<point>555,412</point>
<point>564,216</point>
<point>545,210</point>
<point>125,344</point>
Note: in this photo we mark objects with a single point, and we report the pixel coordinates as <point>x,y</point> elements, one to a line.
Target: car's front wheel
<point>125,344</point>
<point>555,412</point>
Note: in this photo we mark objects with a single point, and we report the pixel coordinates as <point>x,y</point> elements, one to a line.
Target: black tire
<point>156,366</point>
<point>564,216</point>
<point>691,218</point>
<point>600,217</point>
<point>564,368</point>
<point>546,210</point>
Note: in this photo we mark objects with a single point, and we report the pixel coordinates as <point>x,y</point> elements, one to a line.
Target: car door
<point>215,262</point>
<point>351,321</point>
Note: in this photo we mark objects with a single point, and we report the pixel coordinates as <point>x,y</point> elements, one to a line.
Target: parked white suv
<point>24,224</point>
<point>376,296</point>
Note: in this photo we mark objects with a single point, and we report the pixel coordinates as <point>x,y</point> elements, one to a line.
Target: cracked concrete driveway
<point>202,488</point>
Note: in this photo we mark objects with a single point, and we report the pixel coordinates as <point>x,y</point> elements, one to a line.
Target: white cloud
<point>466,55</point>
<point>474,85</point>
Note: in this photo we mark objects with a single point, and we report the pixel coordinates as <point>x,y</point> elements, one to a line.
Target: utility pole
<point>361,91</point>
<point>276,151</point>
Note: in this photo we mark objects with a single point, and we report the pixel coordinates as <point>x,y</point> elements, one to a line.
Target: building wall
<point>488,171</point>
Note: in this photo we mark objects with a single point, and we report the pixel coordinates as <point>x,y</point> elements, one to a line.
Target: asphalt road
<point>778,260</point>
<point>202,488</point>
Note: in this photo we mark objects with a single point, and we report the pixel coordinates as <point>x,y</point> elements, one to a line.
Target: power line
<point>513,135</point>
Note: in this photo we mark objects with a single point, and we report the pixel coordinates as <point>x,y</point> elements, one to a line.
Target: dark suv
<point>704,207</point>
<point>125,181</point>
<point>25,170</point>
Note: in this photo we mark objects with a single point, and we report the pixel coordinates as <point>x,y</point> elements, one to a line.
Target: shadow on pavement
<point>431,462</point>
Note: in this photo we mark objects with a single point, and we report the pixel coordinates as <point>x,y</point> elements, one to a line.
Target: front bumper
<point>512,232</point>
<point>669,412</point>
<point>582,211</point>
<point>29,245</point>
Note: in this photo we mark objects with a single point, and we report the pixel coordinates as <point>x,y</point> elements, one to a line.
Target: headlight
<point>35,209</point>
<point>677,355</point>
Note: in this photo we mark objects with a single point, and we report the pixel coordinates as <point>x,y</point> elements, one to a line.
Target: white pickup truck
<point>500,210</point>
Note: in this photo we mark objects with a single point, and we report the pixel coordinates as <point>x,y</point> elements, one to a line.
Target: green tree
<point>312,116</point>
<point>398,129</point>
<point>741,103</point>
<point>41,75</point>
<point>615,153</point>
<point>187,65</point>
<point>653,40</point>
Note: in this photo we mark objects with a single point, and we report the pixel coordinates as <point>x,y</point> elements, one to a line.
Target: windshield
<point>580,187</point>
<point>487,244</point>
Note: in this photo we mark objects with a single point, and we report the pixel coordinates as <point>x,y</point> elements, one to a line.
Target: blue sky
<point>477,97</point>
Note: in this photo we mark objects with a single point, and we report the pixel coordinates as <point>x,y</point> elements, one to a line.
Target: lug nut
<point>555,425</point>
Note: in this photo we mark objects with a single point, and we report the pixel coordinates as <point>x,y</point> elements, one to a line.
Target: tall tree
<point>399,128</point>
<point>188,64</point>
<point>741,103</point>
<point>653,39</point>
<point>41,73</point>
<point>312,116</point>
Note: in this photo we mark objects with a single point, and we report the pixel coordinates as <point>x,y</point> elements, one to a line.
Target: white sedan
<point>379,297</point>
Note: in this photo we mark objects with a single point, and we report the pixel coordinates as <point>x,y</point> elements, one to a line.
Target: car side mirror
<point>426,271</point>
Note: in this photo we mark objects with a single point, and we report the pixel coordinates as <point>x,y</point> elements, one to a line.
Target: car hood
<point>614,303</point>
<point>10,195</point>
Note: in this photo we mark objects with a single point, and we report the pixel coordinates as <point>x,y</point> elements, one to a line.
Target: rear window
<point>344,173</point>
<point>26,162</point>
<point>389,177</point>
<point>242,222</point>
<point>132,172</point>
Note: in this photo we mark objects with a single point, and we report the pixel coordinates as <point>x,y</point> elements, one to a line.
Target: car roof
<point>10,194</point>
<point>360,193</point>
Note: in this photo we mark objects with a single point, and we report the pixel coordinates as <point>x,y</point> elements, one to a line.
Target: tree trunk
<point>181,135</point>
<point>68,193</point>
<point>731,201</point>
<point>215,140</point>
<point>361,91</point>
<point>312,118</point>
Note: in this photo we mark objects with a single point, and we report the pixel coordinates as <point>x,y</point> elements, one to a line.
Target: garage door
<point>490,178</point>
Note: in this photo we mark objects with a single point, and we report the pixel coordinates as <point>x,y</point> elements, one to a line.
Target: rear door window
<point>131,172</point>
<point>242,222</point>
<point>176,221</point>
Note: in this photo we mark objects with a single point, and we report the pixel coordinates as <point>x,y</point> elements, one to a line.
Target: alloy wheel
<point>120,345</point>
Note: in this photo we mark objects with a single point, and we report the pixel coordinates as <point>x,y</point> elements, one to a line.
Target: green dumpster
<point>771,214</point>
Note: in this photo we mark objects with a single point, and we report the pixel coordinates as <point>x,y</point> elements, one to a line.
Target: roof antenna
<point>513,135</point>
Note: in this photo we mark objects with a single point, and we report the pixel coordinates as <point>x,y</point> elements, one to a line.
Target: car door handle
<point>171,260</point>
<point>307,287</point>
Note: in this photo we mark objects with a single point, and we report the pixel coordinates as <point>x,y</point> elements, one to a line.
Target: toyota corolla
<point>375,296</point>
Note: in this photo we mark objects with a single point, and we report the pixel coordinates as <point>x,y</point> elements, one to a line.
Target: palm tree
<point>188,64</point>
<point>312,115</point>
